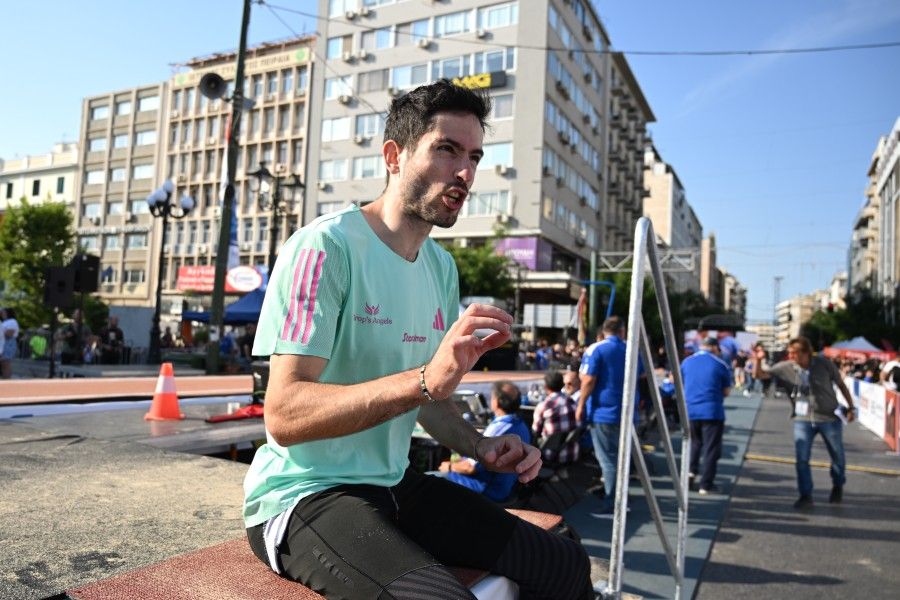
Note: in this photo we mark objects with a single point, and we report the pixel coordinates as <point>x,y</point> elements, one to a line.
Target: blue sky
<point>772,150</point>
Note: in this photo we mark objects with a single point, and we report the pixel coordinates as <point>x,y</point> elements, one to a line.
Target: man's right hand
<point>461,348</point>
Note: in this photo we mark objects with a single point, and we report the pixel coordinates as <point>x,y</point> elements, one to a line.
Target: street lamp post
<point>161,206</point>
<point>261,178</point>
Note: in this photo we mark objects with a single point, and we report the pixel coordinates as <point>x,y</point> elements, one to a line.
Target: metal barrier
<point>638,343</point>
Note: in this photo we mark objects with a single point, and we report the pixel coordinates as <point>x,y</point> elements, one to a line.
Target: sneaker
<point>607,513</point>
<point>837,494</point>
<point>709,490</point>
<point>803,503</point>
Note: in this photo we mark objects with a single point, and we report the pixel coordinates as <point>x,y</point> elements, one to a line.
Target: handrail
<point>638,343</point>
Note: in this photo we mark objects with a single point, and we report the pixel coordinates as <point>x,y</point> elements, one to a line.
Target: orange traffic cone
<point>165,399</point>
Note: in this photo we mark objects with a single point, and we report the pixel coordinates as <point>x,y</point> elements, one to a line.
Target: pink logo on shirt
<point>438,322</point>
<point>372,309</point>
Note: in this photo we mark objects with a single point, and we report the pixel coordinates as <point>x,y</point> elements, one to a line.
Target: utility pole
<point>776,291</point>
<point>217,311</point>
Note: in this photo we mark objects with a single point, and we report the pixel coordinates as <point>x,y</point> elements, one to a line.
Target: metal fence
<point>638,344</point>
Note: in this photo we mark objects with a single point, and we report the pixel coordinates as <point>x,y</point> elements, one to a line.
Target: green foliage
<point>33,238</point>
<point>864,316</point>
<point>482,272</point>
<point>96,312</point>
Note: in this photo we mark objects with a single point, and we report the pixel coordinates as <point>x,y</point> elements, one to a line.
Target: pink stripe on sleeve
<point>292,306</point>
<point>312,297</point>
<point>301,297</point>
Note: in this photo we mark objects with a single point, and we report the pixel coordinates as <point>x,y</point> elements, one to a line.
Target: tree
<point>865,315</point>
<point>33,238</point>
<point>482,272</point>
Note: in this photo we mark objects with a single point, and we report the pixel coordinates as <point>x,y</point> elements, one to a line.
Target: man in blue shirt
<point>600,404</point>
<point>707,380</point>
<point>505,402</point>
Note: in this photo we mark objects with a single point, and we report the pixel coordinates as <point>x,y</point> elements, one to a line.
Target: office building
<point>865,241</point>
<point>887,187</point>
<point>734,295</point>
<point>562,172</point>
<point>39,178</point>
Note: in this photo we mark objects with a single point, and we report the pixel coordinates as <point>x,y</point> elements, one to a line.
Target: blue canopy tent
<point>240,312</point>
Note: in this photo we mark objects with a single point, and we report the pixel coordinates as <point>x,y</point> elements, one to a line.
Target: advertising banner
<point>870,403</point>
<point>892,419</point>
<point>240,279</point>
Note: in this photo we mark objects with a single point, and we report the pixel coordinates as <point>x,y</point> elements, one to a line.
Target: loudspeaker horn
<point>212,86</point>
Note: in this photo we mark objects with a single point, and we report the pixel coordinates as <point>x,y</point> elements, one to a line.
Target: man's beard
<point>417,204</point>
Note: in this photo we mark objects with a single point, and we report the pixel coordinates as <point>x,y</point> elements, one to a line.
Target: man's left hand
<point>509,454</point>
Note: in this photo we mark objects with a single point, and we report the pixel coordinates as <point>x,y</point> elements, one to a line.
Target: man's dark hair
<point>553,380</point>
<point>509,398</point>
<point>613,325</point>
<point>412,115</point>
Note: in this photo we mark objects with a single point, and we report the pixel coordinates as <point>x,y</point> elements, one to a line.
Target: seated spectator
<point>555,414</point>
<point>505,401</point>
<point>890,375</point>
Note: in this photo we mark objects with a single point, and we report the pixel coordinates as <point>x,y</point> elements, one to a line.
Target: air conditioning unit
<point>323,185</point>
<point>595,130</point>
<point>166,248</point>
<point>347,56</point>
<point>579,241</point>
<point>271,97</point>
<point>586,118</point>
<point>503,218</point>
<point>545,171</point>
<point>501,169</point>
<point>217,211</point>
<point>365,11</point>
<point>201,248</point>
<point>211,140</point>
<point>559,181</point>
<point>95,220</point>
<point>344,99</point>
<point>279,167</point>
<point>363,54</point>
<point>351,14</point>
<point>392,91</point>
<point>174,112</point>
<point>564,138</point>
<point>129,217</point>
<point>359,139</point>
<point>587,33</point>
<point>424,43</point>
<point>481,33</point>
<point>246,246</point>
<point>588,78</point>
<point>582,200</point>
<point>181,178</point>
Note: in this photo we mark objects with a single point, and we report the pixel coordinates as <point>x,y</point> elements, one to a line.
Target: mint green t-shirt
<point>338,292</point>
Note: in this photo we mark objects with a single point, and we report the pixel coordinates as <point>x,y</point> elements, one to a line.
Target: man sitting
<point>505,401</point>
<point>555,414</point>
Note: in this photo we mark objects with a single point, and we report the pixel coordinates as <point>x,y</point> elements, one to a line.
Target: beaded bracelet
<point>422,385</point>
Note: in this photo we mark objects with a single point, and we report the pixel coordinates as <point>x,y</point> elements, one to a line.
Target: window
<point>186,129</point>
<point>302,79</point>
<point>335,129</point>
<point>496,154</point>
<point>133,276</point>
<point>336,46</point>
<point>370,125</point>
<point>198,132</point>
<point>487,203</point>
<point>135,240</point>
<point>337,86</point>
<point>138,206</point>
<point>117,174</point>
<point>458,22</point>
<point>115,207</point>
<point>272,83</point>
<point>36,187</point>
<point>458,66</point>
<point>88,242</point>
<point>176,100</point>
<point>299,114</point>
<point>367,167</point>
<point>376,39</point>
<point>108,274</point>
<point>287,81</point>
<point>152,102</point>
<point>120,141</point>
<point>324,208</point>
<point>266,155</point>
<point>373,81</point>
<point>247,235</point>
<point>145,138</point>
<point>333,170</point>
<point>281,153</point>
<point>257,86</point>
<point>284,116</point>
<point>409,76</point>
<point>142,172</point>
<point>123,108</point>
<point>97,144</point>
<point>254,121</point>
<point>268,120</point>
<point>410,33</point>
<point>496,60</point>
<point>99,112</point>
<point>94,177</point>
<point>500,15</point>
<point>213,127</point>
<point>9,190</point>
<point>91,210</point>
<point>339,7</point>
<point>210,163</point>
<point>503,107</point>
<point>377,2</point>
<point>60,185</point>
<point>111,242</point>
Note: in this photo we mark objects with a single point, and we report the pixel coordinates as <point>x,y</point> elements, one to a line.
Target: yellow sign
<point>253,65</point>
<point>481,80</point>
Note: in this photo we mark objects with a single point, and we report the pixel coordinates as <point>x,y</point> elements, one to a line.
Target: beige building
<point>887,187</point>
<point>711,284</point>
<point>40,177</point>
<point>674,221</point>
<point>865,241</point>
<point>793,313</point>
<point>734,294</point>
<point>563,164</point>
<point>134,140</point>
<point>767,335</point>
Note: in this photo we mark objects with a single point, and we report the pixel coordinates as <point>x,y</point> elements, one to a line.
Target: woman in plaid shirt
<point>556,413</point>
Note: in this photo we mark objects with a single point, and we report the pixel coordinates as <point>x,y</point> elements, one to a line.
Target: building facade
<point>862,259</point>
<point>674,221</point>
<point>887,186</point>
<point>711,284</point>
<point>734,295</point>
<point>40,177</point>
<point>562,169</point>
<point>767,335</point>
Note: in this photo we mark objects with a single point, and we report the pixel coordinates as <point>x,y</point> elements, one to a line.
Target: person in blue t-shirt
<point>505,402</point>
<point>602,375</point>
<point>707,381</point>
<point>728,348</point>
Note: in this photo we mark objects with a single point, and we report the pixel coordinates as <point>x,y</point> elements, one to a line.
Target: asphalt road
<point>766,549</point>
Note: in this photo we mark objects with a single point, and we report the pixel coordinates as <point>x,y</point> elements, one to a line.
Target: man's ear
<point>391,151</point>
